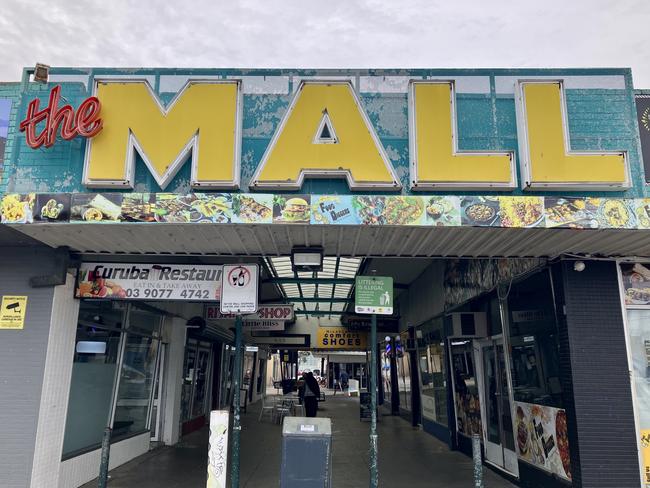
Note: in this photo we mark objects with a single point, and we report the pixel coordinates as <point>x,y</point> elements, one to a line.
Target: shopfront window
<point>196,378</point>
<point>433,371</point>
<point>113,366</point>
<point>94,369</point>
<point>540,429</point>
<point>136,382</point>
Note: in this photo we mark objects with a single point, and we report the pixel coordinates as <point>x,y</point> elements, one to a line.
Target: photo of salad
<point>52,207</point>
<point>401,210</point>
<point>642,213</point>
<point>442,210</point>
<point>616,214</point>
<point>295,210</point>
<point>370,209</point>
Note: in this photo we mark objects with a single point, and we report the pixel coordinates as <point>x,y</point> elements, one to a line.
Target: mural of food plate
<point>521,211</point>
<point>574,213</point>
<point>291,209</point>
<point>616,214</point>
<point>333,209</point>
<point>642,213</point>
<point>442,211</point>
<point>17,209</point>
<point>369,209</point>
<point>193,208</point>
<point>252,209</point>
<point>480,211</point>
<point>139,207</point>
<point>96,207</point>
<point>52,207</point>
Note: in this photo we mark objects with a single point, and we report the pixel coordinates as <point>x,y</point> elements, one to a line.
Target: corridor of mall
<point>407,457</point>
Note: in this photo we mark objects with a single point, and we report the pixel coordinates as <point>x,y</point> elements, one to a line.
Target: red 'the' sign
<point>85,122</point>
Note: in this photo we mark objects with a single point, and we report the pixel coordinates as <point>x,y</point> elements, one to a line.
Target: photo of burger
<point>291,210</point>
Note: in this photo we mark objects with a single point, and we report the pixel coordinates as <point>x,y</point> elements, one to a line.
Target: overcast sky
<point>329,33</point>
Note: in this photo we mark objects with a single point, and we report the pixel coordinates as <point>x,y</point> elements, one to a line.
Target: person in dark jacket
<point>311,394</point>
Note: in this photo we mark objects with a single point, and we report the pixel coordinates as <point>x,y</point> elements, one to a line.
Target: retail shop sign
<point>373,295</point>
<point>341,338</point>
<point>12,312</point>
<point>239,289</point>
<point>137,281</point>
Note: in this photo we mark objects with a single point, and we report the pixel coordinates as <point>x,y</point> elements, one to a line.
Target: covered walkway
<point>408,457</point>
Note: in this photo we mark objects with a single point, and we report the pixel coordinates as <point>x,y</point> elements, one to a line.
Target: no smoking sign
<point>239,288</point>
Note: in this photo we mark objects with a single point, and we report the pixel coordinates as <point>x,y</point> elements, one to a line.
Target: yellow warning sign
<point>12,312</point>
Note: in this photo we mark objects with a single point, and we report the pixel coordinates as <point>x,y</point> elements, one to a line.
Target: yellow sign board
<point>12,312</point>
<point>326,133</point>
<point>340,338</point>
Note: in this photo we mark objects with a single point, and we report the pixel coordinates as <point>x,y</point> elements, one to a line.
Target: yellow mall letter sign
<point>203,119</point>
<point>436,161</point>
<point>325,133</point>
<point>547,158</point>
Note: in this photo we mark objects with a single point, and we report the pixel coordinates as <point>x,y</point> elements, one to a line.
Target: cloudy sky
<point>329,33</point>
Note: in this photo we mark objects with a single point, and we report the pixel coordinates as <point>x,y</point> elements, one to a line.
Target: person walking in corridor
<point>311,394</point>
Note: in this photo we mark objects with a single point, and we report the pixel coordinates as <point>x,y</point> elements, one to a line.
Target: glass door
<point>498,435</point>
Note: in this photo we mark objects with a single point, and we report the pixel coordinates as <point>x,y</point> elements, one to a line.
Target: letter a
<point>345,144</point>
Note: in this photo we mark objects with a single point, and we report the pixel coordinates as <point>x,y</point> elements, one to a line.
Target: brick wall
<point>602,432</point>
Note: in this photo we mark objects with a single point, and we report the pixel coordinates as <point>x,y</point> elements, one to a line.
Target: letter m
<point>202,121</point>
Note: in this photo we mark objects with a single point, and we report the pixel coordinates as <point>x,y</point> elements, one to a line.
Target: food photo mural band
<point>394,210</point>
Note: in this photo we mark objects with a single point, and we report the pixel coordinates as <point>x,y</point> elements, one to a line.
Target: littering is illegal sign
<point>239,288</point>
<point>373,294</point>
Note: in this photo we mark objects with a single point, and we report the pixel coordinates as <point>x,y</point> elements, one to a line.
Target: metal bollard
<point>103,466</point>
<point>478,464</point>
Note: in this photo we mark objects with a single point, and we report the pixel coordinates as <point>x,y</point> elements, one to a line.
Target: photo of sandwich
<point>52,207</point>
<point>295,210</point>
<point>96,207</point>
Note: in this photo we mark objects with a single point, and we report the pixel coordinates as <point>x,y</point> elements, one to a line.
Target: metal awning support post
<point>372,385</point>
<point>236,423</point>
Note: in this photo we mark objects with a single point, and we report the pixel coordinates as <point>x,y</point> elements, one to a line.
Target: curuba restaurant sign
<point>118,281</point>
<point>324,133</point>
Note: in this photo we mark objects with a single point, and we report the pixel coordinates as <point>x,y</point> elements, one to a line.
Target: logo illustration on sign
<point>373,295</point>
<point>239,288</point>
<point>12,312</point>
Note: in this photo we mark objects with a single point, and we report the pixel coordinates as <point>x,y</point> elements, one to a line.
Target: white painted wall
<point>56,386</point>
<point>174,334</point>
<point>78,470</point>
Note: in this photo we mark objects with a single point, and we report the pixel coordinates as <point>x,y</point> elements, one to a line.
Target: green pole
<point>236,423</point>
<point>372,384</point>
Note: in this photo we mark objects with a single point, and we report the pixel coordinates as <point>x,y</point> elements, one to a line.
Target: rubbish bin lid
<point>307,426</point>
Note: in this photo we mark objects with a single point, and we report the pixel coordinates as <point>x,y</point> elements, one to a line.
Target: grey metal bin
<point>306,453</point>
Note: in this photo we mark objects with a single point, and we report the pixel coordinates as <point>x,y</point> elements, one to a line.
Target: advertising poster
<point>542,437</point>
<point>643,117</point>
<point>636,283</point>
<point>292,209</point>
<point>341,338</point>
<point>389,210</point>
<point>17,209</point>
<point>5,109</point>
<point>571,213</point>
<point>442,211</point>
<point>115,281</point>
<point>96,207</point>
<point>645,455</point>
<point>52,207</point>
<point>139,207</point>
<point>521,211</point>
<point>480,211</point>
<point>211,208</point>
<point>333,209</point>
<point>252,208</point>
